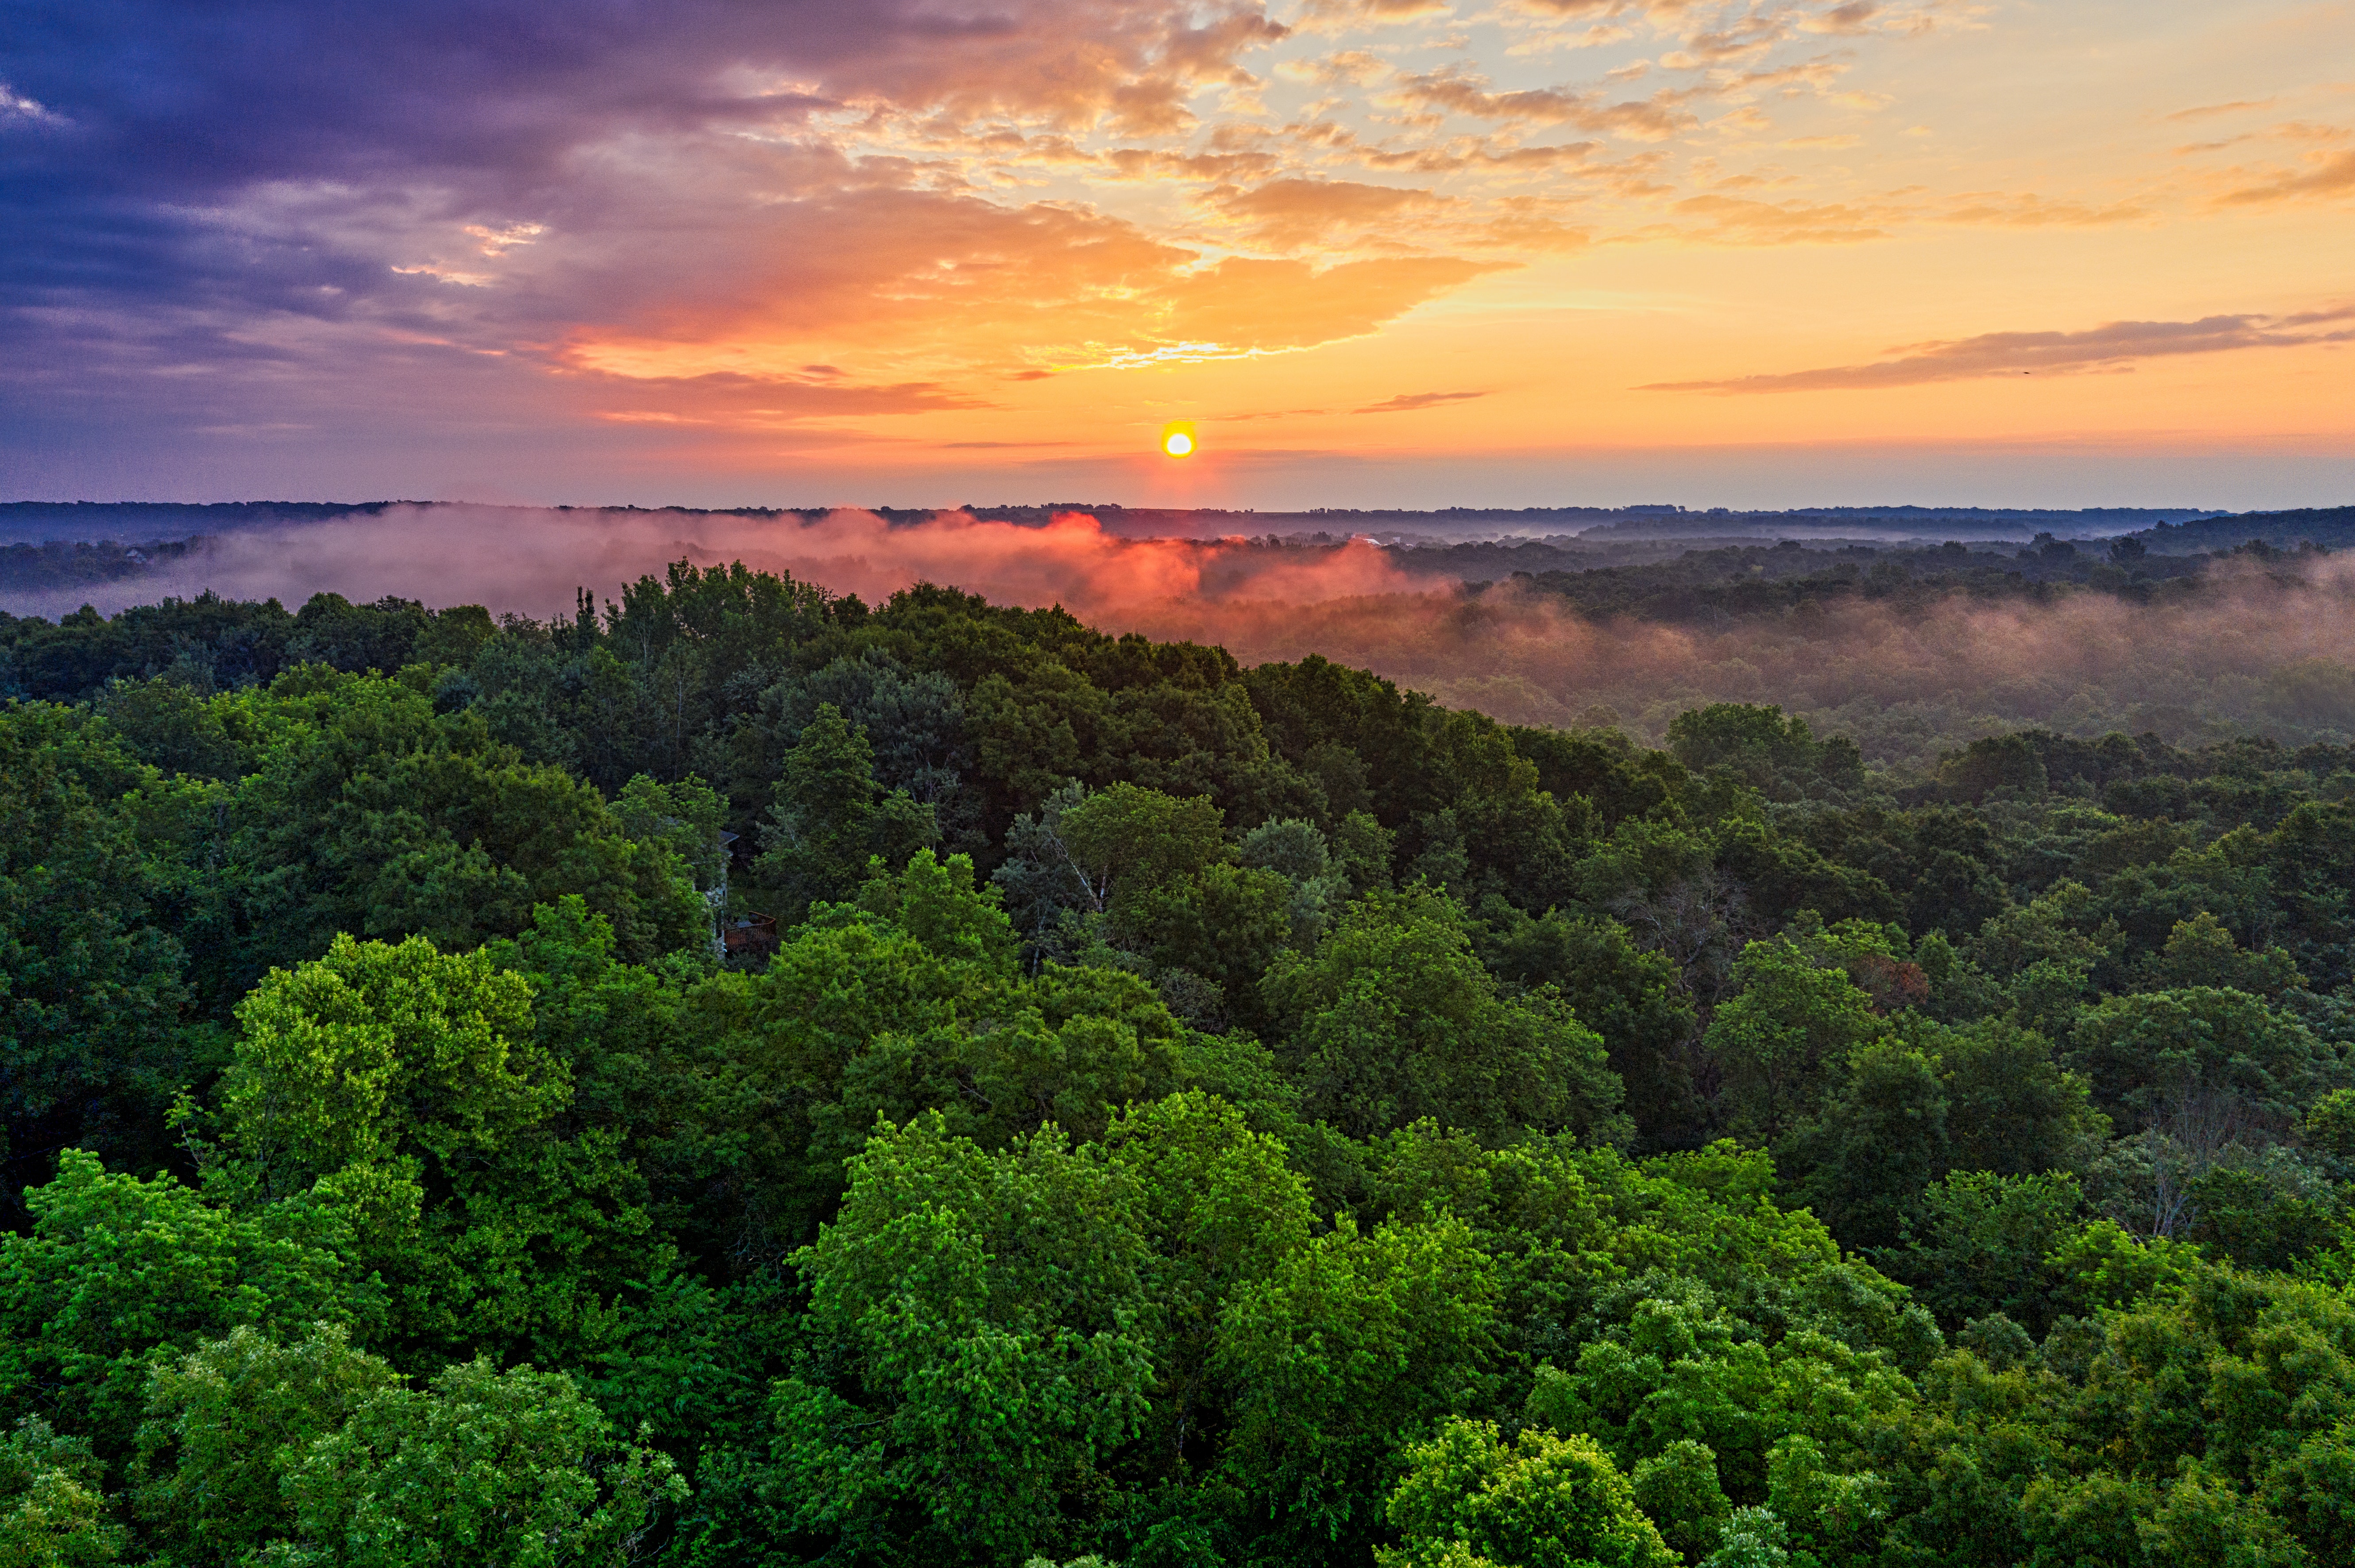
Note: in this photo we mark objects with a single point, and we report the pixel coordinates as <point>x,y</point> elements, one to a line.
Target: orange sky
<point>1378,251</point>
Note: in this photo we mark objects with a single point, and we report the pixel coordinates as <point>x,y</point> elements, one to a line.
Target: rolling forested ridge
<point>742,1077</point>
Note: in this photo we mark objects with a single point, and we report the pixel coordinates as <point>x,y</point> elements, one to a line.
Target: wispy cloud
<point>1451,89</point>
<point>1265,414</point>
<point>1735,220</point>
<point>1407,402</point>
<point>2118,343</point>
<point>2209,111</point>
<point>17,105</point>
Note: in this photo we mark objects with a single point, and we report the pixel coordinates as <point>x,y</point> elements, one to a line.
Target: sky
<point>1375,253</point>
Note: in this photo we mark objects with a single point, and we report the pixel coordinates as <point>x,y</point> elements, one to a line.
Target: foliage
<point>53,1513</point>
<point>1182,1112</point>
<point>831,816</point>
<point>1542,1501</point>
<point>117,1275</point>
<point>1354,1344</point>
<point>1393,1018</point>
<point>92,981</point>
<point>980,1347</point>
<point>1793,1019</point>
<point>511,1468</point>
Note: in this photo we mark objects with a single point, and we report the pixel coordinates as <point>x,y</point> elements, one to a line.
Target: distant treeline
<point>33,569</point>
<point>2332,527</point>
<point>1757,580</point>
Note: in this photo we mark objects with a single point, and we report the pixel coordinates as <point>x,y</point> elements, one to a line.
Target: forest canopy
<point>741,1075</point>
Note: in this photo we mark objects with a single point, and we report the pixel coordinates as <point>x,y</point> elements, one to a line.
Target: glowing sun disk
<point>1177,440</point>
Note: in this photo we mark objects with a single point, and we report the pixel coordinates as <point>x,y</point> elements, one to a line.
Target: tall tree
<point>830,818</point>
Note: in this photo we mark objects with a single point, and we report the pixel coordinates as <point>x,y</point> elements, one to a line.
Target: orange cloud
<point>1290,213</point>
<point>1070,64</point>
<point>650,241</point>
<point>2332,175</point>
<point>1293,304</point>
<point>949,286</point>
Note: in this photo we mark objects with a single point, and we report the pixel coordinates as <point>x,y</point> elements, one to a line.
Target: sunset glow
<point>1177,440</point>
<point>1415,252</point>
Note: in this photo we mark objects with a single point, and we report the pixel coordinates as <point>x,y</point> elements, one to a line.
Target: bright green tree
<point>1678,1489</point>
<point>1540,1501</point>
<point>1132,839</point>
<point>1348,1349</point>
<point>938,903</point>
<point>53,1511</point>
<point>383,1055</point>
<point>686,818</point>
<point>509,1470</point>
<point>1219,1211</point>
<point>118,1276</point>
<point>980,1349</point>
<point>411,1090</point>
<point>229,1422</point>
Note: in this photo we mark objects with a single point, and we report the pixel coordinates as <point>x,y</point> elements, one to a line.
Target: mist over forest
<point>1912,630</point>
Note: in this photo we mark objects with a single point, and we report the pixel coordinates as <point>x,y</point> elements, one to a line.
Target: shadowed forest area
<point>741,1075</point>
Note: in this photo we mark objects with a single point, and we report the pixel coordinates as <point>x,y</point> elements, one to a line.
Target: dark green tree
<point>1629,995</point>
<point>1795,1018</point>
<point>92,987</point>
<point>1881,1138</point>
<point>830,818</point>
<point>1392,1018</point>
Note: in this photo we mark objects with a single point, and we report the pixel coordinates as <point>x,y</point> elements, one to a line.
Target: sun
<point>1177,439</point>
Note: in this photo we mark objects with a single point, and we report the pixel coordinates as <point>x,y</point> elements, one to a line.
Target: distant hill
<point>2333,528</point>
